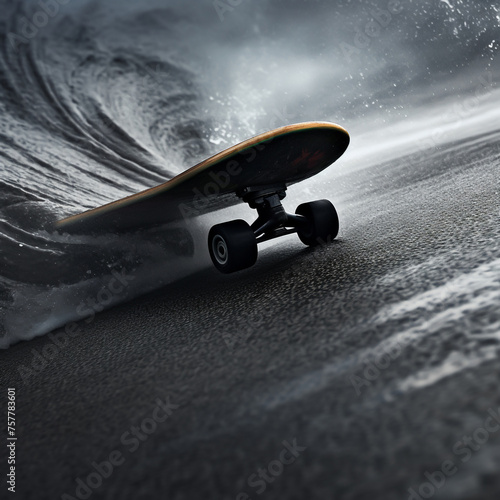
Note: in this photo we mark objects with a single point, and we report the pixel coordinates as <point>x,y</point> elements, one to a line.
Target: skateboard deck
<point>280,157</point>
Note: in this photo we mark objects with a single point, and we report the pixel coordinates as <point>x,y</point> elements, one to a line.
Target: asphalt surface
<point>367,360</point>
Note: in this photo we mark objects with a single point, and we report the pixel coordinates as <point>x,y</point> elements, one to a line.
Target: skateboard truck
<point>272,220</point>
<point>233,245</point>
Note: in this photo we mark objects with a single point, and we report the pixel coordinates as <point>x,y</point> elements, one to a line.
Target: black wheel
<point>322,222</point>
<point>232,246</point>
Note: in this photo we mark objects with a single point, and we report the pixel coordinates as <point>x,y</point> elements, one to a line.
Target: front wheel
<point>232,246</point>
<point>322,222</point>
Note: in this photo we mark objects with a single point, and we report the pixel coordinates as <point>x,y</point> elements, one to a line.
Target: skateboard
<point>257,172</point>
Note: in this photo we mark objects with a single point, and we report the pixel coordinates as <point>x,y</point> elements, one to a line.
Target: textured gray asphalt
<point>270,355</point>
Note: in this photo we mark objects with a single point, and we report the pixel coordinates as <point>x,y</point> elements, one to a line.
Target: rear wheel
<point>322,222</point>
<point>232,246</point>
